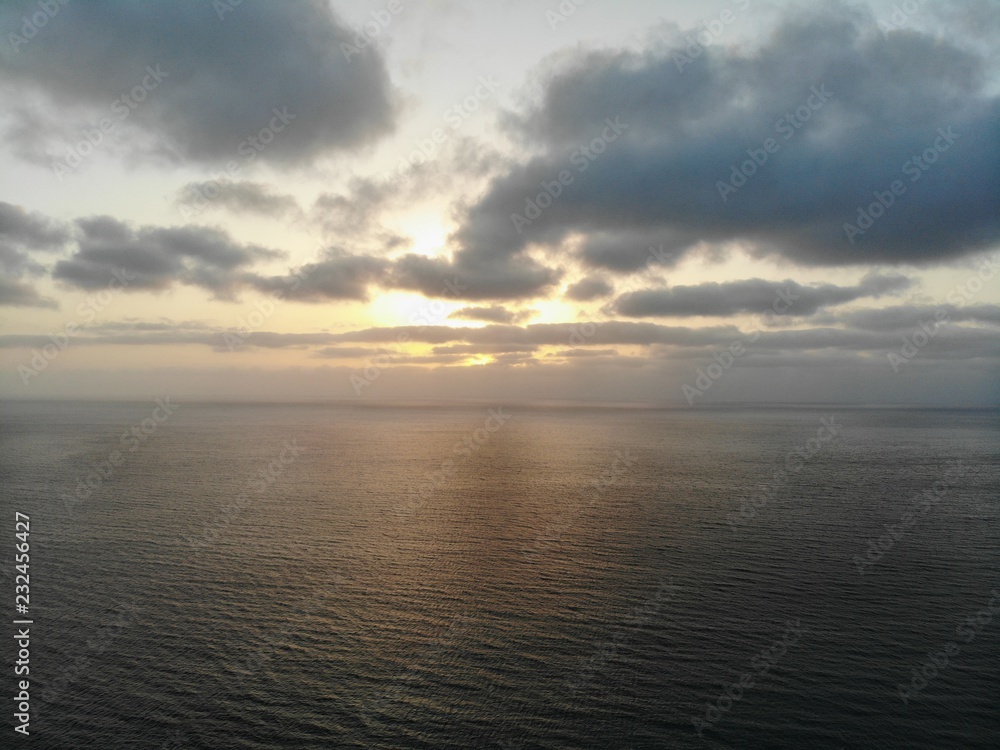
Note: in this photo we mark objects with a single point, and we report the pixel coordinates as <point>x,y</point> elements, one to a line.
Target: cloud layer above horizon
<point>815,185</point>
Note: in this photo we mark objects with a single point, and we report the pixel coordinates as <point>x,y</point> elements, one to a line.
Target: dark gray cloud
<point>14,293</point>
<point>471,276</point>
<point>337,275</point>
<point>491,314</point>
<point>29,229</point>
<point>427,359</point>
<point>486,348</point>
<point>678,341</point>
<point>626,250</point>
<point>847,107</point>
<point>950,342</point>
<point>219,80</point>
<point>132,325</point>
<point>903,317</point>
<point>346,352</point>
<point>355,210</point>
<point>243,197</point>
<point>585,353</point>
<point>553,334</point>
<point>588,289</point>
<point>488,339</point>
<point>355,214</point>
<point>156,257</point>
<point>751,296</point>
<point>516,344</point>
<point>976,19</point>
<point>22,232</point>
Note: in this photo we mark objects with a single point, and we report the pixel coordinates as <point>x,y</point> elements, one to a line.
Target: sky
<point>655,202</point>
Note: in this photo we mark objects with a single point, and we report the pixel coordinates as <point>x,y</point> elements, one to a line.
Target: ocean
<point>504,576</point>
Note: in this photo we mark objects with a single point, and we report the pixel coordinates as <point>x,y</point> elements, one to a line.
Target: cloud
<point>239,197</point>
<point>585,353</point>
<point>626,250</point>
<point>427,359</point>
<point>15,293</point>
<point>751,296</point>
<point>356,210</point>
<point>950,342</point>
<point>156,257</point>
<point>491,314</point>
<point>346,352</point>
<point>665,345</point>
<point>30,229</point>
<point>471,276</point>
<point>850,111</point>
<point>588,289</point>
<point>355,214</point>
<point>220,78</point>
<point>131,325</point>
<point>904,317</point>
<point>22,232</point>
<point>485,348</point>
<point>552,334</point>
<point>490,338</point>
<point>338,275</point>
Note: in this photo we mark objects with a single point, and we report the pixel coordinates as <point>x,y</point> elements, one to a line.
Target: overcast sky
<point>663,202</point>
